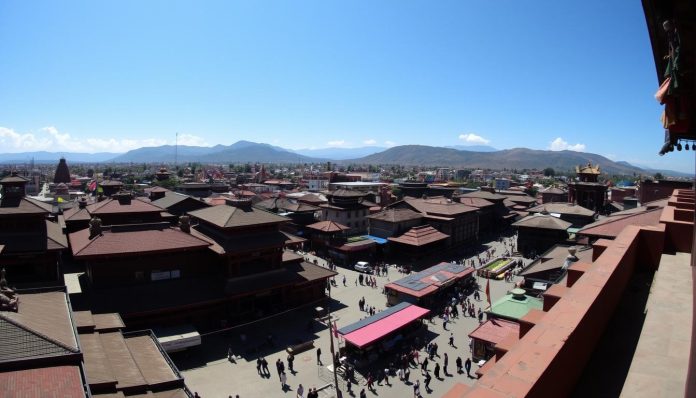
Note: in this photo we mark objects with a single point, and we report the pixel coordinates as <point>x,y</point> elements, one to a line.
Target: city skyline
<point>106,78</point>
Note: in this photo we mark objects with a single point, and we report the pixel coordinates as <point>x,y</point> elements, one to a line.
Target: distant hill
<point>340,153</point>
<point>651,171</point>
<point>517,158</point>
<point>240,151</point>
<point>54,157</point>
<point>473,148</point>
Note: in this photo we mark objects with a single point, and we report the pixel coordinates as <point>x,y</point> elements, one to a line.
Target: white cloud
<point>193,140</point>
<point>472,138</point>
<point>51,139</point>
<point>559,144</point>
<point>12,141</point>
<point>370,142</point>
<point>337,143</point>
<point>389,143</point>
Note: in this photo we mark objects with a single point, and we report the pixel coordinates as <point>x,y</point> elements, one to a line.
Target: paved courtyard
<point>208,372</point>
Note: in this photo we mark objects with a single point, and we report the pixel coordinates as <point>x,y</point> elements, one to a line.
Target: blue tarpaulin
<point>377,239</point>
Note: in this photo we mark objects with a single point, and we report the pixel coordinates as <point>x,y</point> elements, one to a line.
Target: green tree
<point>659,176</point>
<point>549,172</point>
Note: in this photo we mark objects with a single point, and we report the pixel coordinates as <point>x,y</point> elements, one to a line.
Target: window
<point>157,275</point>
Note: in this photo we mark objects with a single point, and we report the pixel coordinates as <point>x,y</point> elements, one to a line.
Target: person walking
<point>437,371</point>
<point>458,361</point>
<point>300,391</point>
<point>319,356</point>
<point>451,340</point>
<point>445,362</point>
<point>363,394</point>
<point>291,360</point>
<point>426,382</point>
<point>467,366</point>
<point>283,380</point>
<point>416,389</point>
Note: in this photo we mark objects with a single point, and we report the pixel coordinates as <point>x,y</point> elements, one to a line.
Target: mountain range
<point>407,155</point>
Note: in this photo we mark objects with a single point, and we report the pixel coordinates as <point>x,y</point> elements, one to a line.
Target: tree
<point>659,176</point>
<point>549,172</point>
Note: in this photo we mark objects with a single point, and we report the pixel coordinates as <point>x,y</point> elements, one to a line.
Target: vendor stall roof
<point>370,329</point>
<point>429,280</point>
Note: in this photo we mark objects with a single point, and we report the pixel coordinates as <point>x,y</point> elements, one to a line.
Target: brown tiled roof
<point>521,199</point>
<point>311,198</point>
<point>128,241</point>
<point>290,238</point>
<point>495,330</point>
<point>112,206</point>
<point>438,206</point>
<point>56,239</point>
<point>483,195</point>
<point>24,206</point>
<point>328,226</point>
<point>14,177</point>
<point>222,244</point>
<point>474,202</point>
<point>285,204</point>
<point>77,214</point>
<point>555,257</point>
<point>562,208</point>
<point>174,198</point>
<point>611,227</point>
<point>554,191</point>
<point>396,215</point>
<point>228,216</point>
<point>543,221</point>
<point>41,327</point>
<point>419,236</point>
<point>54,381</point>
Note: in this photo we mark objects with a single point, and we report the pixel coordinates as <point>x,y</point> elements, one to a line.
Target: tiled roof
<point>77,214</point>
<point>290,238</point>
<point>483,195</point>
<point>125,362</point>
<point>284,204</point>
<point>48,382</point>
<point>543,221</point>
<point>311,198</point>
<point>562,208</point>
<point>396,215</point>
<point>419,236</point>
<point>474,202</point>
<point>554,191</point>
<point>431,279</point>
<point>611,227</point>
<point>124,241</point>
<point>495,330</point>
<point>41,327</point>
<point>438,206</point>
<point>56,239</point>
<point>227,216</point>
<point>222,244</point>
<point>173,198</point>
<point>24,206</point>
<point>113,206</point>
<point>328,226</point>
<point>555,257</point>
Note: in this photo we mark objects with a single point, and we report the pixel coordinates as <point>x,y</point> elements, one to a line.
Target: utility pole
<point>176,151</point>
<point>331,336</point>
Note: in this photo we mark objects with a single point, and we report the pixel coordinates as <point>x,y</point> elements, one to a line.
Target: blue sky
<point>110,76</point>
